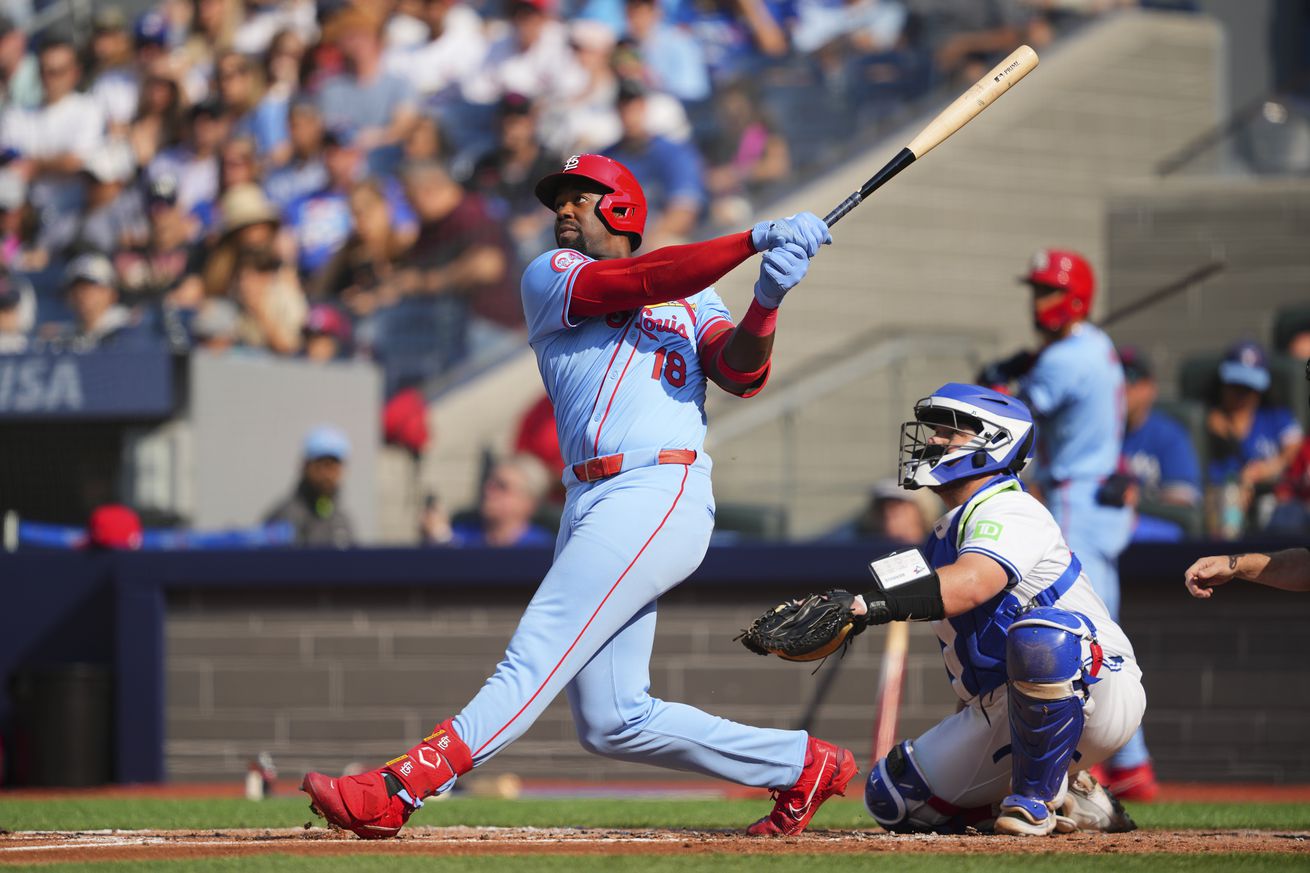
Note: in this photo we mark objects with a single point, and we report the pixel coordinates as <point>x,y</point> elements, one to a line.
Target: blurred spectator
<point>238,164</point>
<point>113,212</point>
<point>264,20</point>
<point>427,142</point>
<point>737,36</point>
<point>20,81</point>
<point>210,29</point>
<point>377,107</point>
<point>1291,514</point>
<point>359,275</point>
<point>283,64</point>
<point>53,140</point>
<point>115,82</point>
<point>538,437</point>
<point>322,222</point>
<point>669,172</point>
<point>749,153</point>
<point>589,121</point>
<point>1297,339</point>
<point>405,421</point>
<point>532,59</point>
<point>17,313</point>
<point>326,333</point>
<point>891,513</point>
<point>113,527</point>
<point>966,39</point>
<point>1251,441</point>
<point>511,495</point>
<point>214,327</point>
<point>506,175</point>
<point>18,225</point>
<point>160,119</point>
<point>461,255</point>
<point>851,26</point>
<point>272,304</point>
<point>312,508</point>
<point>99,320</point>
<point>675,60</point>
<point>157,264</point>
<point>150,41</point>
<point>303,171</point>
<point>251,112</point>
<point>436,66</point>
<point>194,162</point>
<point>1157,452</point>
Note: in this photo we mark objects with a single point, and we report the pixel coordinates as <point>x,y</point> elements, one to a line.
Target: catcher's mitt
<point>805,630</point>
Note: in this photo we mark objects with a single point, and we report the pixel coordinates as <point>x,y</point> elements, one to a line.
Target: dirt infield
<point>84,846</point>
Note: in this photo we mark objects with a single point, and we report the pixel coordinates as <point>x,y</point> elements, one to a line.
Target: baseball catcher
<point>1049,682</point>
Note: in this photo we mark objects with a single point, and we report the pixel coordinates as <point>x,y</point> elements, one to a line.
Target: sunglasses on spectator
<point>57,71</point>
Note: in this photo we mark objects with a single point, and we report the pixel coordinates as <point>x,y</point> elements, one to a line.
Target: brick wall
<point>325,679</point>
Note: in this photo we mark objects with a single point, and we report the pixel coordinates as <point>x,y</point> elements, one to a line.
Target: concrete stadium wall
<point>324,679</point>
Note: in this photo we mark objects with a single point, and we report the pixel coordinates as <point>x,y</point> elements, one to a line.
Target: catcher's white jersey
<point>1008,525</point>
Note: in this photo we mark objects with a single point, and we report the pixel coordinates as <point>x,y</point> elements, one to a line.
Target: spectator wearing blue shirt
<point>1157,451</point>
<point>511,495</point>
<point>669,172</point>
<point>674,58</point>
<point>303,173</point>
<point>1252,441</point>
<point>322,222</point>
<point>378,107</point>
<point>241,90</point>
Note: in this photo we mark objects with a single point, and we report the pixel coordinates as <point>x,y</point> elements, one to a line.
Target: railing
<point>896,351</point>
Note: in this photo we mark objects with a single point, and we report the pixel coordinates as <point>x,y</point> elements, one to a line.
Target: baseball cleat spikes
<point>828,769</point>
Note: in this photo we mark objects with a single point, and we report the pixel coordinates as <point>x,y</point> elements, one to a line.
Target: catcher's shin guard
<point>376,804</point>
<point>1045,663</point>
<point>899,798</point>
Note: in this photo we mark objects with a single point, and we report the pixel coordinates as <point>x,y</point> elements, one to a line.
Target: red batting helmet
<point>622,209</point>
<point>1069,274</point>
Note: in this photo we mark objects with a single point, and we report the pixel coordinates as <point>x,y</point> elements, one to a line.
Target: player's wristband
<point>759,320</point>
<point>906,588</point>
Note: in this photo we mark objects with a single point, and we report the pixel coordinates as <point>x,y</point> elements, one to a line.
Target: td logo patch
<point>988,530</point>
<point>565,260</point>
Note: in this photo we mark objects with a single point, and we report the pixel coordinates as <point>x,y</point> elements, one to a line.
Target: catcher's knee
<point>1050,653</point>
<point>899,798</point>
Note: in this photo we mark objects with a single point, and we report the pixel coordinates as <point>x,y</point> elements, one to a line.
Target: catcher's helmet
<point>622,209</point>
<point>1000,430</point>
<point>1067,274</point>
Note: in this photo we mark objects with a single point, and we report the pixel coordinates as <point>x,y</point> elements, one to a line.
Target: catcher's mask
<point>989,433</point>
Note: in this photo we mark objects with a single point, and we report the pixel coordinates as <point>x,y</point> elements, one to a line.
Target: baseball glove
<point>805,630</point>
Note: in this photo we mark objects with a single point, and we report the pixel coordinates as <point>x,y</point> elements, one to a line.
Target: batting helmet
<point>622,209</point>
<point>1069,274</point>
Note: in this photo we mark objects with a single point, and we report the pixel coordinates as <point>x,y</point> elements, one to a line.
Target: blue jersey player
<point>626,346</point>
<point>1048,681</point>
<point>1074,385</point>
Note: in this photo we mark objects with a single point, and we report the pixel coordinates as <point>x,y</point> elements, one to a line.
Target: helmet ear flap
<point>1021,456</point>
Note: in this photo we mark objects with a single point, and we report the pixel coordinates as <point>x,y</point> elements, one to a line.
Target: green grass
<point>137,813</point>
<point>890,863</point>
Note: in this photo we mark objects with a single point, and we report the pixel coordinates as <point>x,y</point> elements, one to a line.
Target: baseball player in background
<point>625,346</point>
<point>1074,385</point>
<point>1048,680</point>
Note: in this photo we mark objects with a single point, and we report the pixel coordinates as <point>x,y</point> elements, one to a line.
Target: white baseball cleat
<point>1088,806</point>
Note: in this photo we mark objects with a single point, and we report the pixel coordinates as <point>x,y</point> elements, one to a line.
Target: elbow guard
<point>906,588</point>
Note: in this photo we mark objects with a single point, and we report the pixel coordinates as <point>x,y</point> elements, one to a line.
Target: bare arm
<point>1288,570</point>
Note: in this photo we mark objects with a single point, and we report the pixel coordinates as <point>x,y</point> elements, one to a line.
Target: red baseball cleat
<point>1133,783</point>
<point>375,805</point>
<point>368,805</point>
<point>828,769</point>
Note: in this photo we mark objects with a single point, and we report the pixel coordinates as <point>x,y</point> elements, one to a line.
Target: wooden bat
<point>980,95</point>
<point>1164,292</point>
<point>890,682</point>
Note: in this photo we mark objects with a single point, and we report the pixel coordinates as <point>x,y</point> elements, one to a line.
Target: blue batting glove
<point>782,270</point>
<point>805,229</point>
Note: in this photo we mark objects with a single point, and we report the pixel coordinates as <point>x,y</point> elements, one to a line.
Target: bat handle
<point>842,208</point>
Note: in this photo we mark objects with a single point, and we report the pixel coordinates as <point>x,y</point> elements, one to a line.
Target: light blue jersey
<point>1076,393</point>
<point>622,382</point>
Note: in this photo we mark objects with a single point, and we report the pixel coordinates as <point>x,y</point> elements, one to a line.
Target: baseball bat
<point>890,682</point>
<point>980,95</point>
<point>1200,274</point>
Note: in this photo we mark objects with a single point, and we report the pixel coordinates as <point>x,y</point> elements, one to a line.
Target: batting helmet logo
<point>622,206</point>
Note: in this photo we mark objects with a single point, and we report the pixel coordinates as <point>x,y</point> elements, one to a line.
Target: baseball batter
<point>1048,680</point>
<point>625,346</point>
